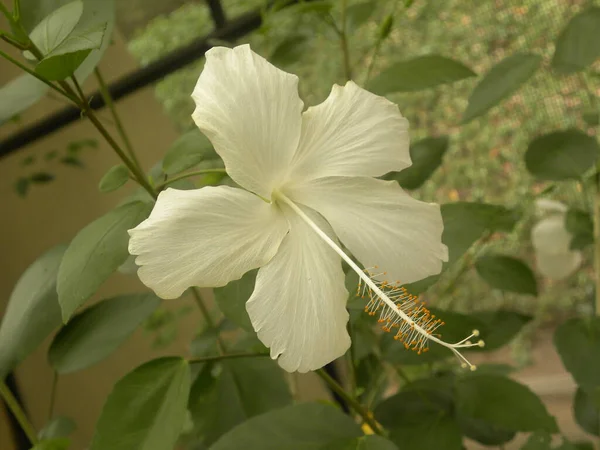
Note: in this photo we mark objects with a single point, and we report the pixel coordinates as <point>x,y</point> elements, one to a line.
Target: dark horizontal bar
<point>130,83</point>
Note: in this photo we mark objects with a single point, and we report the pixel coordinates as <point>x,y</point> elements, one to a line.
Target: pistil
<point>414,324</point>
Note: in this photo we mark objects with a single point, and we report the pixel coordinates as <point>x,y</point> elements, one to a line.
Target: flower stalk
<point>366,415</point>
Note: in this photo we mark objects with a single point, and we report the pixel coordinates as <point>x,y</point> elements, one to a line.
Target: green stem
<point>17,411</point>
<point>89,112</point>
<point>208,318</point>
<point>225,356</point>
<point>32,73</point>
<point>53,396</point>
<point>113,110</point>
<point>344,44</point>
<point>366,415</point>
<point>597,241</point>
<point>379,42</point>
<point>351,358</point>
<point>4,10</point>
<point>17,10</point>
<point>188,175</point>
<point>5,37</point>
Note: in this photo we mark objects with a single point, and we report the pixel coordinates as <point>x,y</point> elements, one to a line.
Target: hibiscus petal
<point>352,133</point>
<point>380,224</point>
<point>251,112</point>
<point>557,266</point>
<point>204,237</point>
<point>298,307</point>
<point>550,235</point>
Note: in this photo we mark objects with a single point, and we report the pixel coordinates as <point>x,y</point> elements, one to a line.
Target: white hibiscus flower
<point>307,180</point>
<point>551,241</point>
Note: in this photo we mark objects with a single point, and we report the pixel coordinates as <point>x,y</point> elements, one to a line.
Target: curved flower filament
<point>400,311</point>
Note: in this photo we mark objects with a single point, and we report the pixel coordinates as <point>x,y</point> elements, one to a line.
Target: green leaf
<point>71,161</point>
<point>59,427</point>
<point>561,155</point>
<point>146,409</point>
<point>591,117</point>
<point>187,151</point>
<point>587,412</point>
<point>98,331</point>
<point>245,388</point>
<point>579,223</point>
<point>22,186</point>
<point>501,82</point>
<point>578,344</point>
<point>370,442</point>
<point>426,156</point>
<point>420,73</point>
<point>492,398</point>
<point>506,273</point>
<point>232,299</point>
<point>575,50</point>
<point>19,94</point>
<point>41,177</point>
<point>289,51</point>
<point>456,327</point>
<point>53,444</point>
<point>464,223</point>
<point>500,327</point>
<point>483,432</point>
<point>64,60</point>
<point>359,13</point>
<point>306,426</point>
<point>112,180</point>
<point>540,440</point>
<point>32,312</point>
<point>96,13</point>
<point>420,417</point>
<point>205,343</point>
<point>95,253</point>
<point>319,7</point>
<point>54,29</point>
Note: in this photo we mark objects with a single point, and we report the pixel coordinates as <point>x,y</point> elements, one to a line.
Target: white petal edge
<point>352,133</point>
<point>380,224</point>
<point>557,266</point>
<point>204,237</point>
<point>298,307</point>
<point>251,112</point>
<point>550,235</point>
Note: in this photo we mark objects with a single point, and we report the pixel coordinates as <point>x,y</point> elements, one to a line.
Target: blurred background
<point>484,162</point>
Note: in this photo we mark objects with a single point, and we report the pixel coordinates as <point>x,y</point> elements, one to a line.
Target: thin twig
<point>188,175</point>
<point>366,415</point>
<point>17,411</point>
<point>208,318</point>
<point>226,356</point>
<point>113,110</point>
<point>89,112</point>
<point>17,10</point>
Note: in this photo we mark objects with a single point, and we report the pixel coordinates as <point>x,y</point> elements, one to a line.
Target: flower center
<point>400,311</point>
